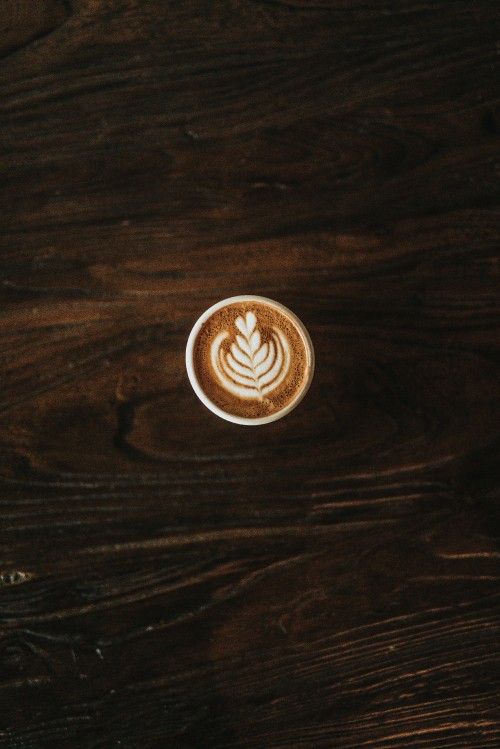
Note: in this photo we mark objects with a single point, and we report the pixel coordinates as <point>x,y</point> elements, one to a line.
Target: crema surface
<point>251,359</point>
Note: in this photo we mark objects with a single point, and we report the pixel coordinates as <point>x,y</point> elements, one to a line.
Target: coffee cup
<point>249,359</point>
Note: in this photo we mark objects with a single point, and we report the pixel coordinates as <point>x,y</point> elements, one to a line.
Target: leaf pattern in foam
<point>250,368</point>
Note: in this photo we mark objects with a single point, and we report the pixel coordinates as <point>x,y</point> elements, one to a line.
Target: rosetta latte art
<point>249,368</point>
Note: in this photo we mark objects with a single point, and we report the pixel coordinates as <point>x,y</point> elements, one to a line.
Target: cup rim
<point>235,419</point>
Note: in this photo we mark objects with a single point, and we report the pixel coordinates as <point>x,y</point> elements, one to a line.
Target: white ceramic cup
<point>197,385</point>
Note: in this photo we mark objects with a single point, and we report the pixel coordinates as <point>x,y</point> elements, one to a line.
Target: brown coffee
<point>251,359</point>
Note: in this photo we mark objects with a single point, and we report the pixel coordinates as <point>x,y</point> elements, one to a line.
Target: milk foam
<point>251,368</point>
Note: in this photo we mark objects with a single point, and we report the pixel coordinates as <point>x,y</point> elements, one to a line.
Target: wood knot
<point>13,577</point>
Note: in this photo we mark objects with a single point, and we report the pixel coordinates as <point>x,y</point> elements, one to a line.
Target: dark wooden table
<point>168,579</point>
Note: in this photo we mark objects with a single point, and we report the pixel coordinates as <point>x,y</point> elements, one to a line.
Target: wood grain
<point>168,579</point>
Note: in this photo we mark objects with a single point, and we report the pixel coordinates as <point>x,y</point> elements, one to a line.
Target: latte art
<point>250,368</point>
<point>249,359</point>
